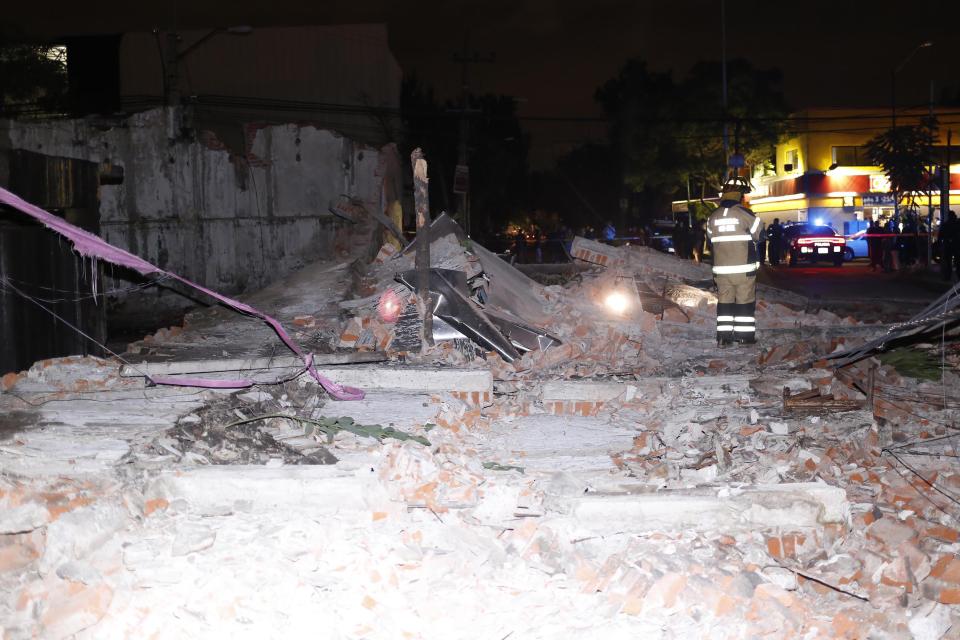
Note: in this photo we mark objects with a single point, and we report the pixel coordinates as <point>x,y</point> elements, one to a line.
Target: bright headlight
<point>617,302</point>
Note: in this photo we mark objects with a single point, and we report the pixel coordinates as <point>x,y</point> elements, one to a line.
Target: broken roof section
<point>941,313</point>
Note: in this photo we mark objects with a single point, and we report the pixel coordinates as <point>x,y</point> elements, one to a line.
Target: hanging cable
<point>60,318</point>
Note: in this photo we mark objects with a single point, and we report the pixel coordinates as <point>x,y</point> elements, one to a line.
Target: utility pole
<point>893,108</point>
<point>172,68</point>
<point>421,198</point>
<point>930,188</point>
<point>461,177</point>
<point>723,67</point>
<point>172,56</point>
<point>945,182</point>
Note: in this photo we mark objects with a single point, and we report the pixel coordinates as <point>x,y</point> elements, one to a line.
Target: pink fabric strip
<point>90,245</point>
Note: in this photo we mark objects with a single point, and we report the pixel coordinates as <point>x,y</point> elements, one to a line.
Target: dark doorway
<point>41,264</point>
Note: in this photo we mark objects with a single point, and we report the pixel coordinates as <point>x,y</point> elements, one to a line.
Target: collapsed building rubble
<point>615,475</point>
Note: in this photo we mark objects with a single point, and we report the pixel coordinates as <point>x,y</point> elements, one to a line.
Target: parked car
<point>662,242</point>
<point>813,243</point>
<point>856,246</point>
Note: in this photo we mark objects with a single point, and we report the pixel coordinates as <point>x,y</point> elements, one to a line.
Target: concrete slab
<point>216,365</point>
<point>585,391</point>
<point>402,410</point>
<point>423,379</point>
<point>542,443</point>
<point>790,505</point>
<point>322,490</point>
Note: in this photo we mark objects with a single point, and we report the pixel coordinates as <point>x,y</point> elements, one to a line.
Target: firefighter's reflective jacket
<point>733,230</point>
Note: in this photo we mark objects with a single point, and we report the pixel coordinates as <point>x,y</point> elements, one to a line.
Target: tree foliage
<point>905,154</point>
<point>32,75</point>
<point>497,151</point>
<point>667,132</point>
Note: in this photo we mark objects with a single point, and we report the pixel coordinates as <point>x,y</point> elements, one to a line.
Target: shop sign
<point>878,199</point>
<point>879,183</point>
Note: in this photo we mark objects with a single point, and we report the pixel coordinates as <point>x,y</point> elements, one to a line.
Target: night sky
<point>552,54</point>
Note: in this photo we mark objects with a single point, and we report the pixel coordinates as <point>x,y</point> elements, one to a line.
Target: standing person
<point>874,245</point>
<point>949,237</point>
<point>886,245</point>
<point>609,233</point>
<point>762,244</point>
<point>677,238</point>
<point>520,247</point>
<point>699,237</point>
<point>733,230</point>
<point>955,241</point>
<point>891,246</point>
<point>568,236</point>
<point>686,238</point>
<point>775,242</point>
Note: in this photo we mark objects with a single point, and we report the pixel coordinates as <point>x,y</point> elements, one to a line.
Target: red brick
<point>664,592</point>
<point>19,550</point>
<point>71,607</point>
<point>943,533</point>
<point>9,379</point>
<point>947,569</point>
<point>774,548</point>
<point>156,504</point>
<point>890,533</point>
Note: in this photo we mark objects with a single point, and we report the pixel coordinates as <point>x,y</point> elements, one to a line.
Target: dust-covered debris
<point>628,479</point>
<point>220,433</point>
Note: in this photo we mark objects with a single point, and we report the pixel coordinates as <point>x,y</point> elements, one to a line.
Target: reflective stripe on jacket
<point>733,230</point>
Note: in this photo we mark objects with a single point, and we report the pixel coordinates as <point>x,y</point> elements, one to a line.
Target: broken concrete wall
<point>180,200</point>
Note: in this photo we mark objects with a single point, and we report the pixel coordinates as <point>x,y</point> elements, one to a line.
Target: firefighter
<point>733,231</point>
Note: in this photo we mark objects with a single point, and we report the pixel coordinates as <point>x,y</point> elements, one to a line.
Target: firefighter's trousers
<point>736,305</point>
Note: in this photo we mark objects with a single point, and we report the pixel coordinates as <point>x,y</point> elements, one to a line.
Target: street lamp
<point>893,104</point>
<point>893,80</point>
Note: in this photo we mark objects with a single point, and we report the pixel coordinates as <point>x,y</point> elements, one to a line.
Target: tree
<point>497,151</point>
<point>756,116</point>
<point>669,133</point>
<point>34,76</point>
<point>640,105</point>
<point>905,155</point>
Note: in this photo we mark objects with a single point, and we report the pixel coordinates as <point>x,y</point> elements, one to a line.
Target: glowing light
<point>792,196</point>
<point>818,222</point>
<point>389,306</point>
<point>850,171</point>
<point>617,302</point>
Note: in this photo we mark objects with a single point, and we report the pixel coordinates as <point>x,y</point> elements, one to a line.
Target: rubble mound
<point>627,311</point>
<point>226,431</point>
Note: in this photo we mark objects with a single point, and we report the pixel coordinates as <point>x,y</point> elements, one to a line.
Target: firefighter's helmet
<point>735,188</point>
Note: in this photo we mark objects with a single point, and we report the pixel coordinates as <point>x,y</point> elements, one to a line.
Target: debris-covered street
<point>571,471</point>
<point>525,320</point>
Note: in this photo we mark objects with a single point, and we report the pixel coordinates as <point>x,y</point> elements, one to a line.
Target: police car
<point>813,243</point>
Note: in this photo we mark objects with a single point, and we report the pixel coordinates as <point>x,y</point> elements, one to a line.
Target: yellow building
<point>821,174</point>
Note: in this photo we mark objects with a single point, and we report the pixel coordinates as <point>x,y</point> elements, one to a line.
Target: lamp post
<point>893,105</point>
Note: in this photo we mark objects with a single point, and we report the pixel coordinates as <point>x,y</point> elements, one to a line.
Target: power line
<point>216,100</point>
